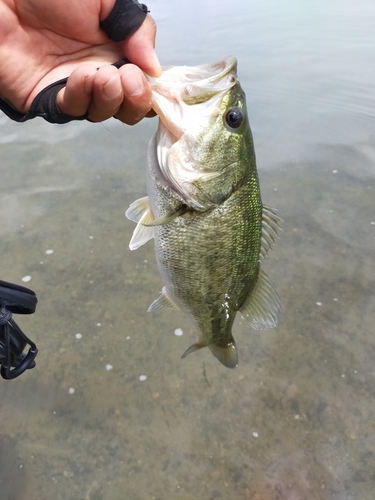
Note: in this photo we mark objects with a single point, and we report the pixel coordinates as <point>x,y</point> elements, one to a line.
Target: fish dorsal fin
<point>140,212</point>
<point>262,307</point>
<point>270,226</point>
<point>227,355</point>
<point>164,301</point>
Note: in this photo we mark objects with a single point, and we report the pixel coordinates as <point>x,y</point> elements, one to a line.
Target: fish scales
<point>205,213</point>
<point>209,260</point>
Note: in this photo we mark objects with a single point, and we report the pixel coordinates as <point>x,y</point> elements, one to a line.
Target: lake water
<point>296,419</point>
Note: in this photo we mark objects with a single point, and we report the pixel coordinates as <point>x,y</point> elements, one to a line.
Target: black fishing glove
<point>124,19</point>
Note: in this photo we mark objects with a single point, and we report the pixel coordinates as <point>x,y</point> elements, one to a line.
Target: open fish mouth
<point>181,87</point>
<point>206,77</point>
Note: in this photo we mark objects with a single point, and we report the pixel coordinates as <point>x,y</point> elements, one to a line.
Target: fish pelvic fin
<point>226,354</point>
<point>262,306</point>
<point>140,212</point>
<point>270,226</point>
<point>137,209</point>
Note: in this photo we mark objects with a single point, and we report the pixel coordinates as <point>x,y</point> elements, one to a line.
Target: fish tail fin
<point>193,348</point>
<point>226,354</point>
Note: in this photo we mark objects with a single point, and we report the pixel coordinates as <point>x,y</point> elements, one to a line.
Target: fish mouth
<point>218,71</point>
<point>195,84</point>
<point>180,87</point>
<point>207,75</point>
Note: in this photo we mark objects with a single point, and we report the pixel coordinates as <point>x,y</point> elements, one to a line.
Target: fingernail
<point>134,84</point>
<point>112,89</point>
<point>157,71</point>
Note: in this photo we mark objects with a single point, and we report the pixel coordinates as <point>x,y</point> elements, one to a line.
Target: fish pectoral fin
<point>169,217</point>
<point>262,307</point>
<point>140,212</point>
<point>270,226</point>
<point>164,301</point>
<point>227,355</point>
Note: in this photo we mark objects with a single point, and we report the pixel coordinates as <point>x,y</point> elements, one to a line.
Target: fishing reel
<point>15,299</point>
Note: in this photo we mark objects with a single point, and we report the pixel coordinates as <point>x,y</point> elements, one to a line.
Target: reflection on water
<point>295,420</point>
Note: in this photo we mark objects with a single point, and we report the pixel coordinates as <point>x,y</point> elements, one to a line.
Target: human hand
<point>42,42</point>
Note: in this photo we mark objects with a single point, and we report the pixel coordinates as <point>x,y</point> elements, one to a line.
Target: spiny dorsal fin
<point>262,307</point>
<point>164,301</point>
<point>270,226</point>
<point>140,212</point>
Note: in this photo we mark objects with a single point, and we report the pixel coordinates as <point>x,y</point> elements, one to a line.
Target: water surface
<point>295,420</point>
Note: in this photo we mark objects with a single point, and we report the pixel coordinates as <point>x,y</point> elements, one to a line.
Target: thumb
<point>139,48</point>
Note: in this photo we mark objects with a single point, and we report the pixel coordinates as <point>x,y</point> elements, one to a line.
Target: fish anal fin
<point>227,354</point>
<point>164,301</point>
<point>262,306</point>
<point>270,226</point>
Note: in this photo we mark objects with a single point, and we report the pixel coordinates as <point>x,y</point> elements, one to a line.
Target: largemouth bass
<point>204,208</point>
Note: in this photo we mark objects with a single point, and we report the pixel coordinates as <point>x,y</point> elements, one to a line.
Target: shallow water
<point>296,419</point>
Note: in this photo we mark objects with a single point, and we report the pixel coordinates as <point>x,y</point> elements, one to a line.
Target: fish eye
<point>234,118</point>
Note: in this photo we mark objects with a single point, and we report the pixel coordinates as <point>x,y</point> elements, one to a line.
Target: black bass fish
<point>204,208</point>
